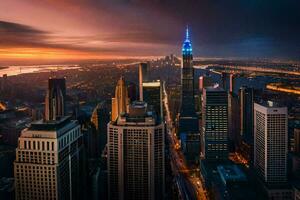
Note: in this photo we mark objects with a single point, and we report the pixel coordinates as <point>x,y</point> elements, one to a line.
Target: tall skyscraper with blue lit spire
<point>188,121</point>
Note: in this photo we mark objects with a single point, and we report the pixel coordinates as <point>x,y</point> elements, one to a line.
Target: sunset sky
<point>39,30</point>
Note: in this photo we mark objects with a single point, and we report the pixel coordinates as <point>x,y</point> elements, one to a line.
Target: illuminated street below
<point>189,184</point>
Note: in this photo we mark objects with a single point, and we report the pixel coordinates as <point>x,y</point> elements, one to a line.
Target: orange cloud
<point>47,54</point>
<point>20,41</point>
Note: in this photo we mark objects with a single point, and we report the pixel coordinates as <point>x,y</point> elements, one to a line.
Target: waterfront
<point>16,70</point>
<point>256,82</point>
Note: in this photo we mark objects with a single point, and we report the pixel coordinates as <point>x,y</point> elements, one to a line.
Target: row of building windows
<point>67,138</point>
<point>38,145</point>
<point>35,157</point>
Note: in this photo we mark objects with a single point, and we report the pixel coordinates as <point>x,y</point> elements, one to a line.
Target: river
<point>16,70</point>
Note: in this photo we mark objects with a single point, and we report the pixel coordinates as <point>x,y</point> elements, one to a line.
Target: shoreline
<point>1,68</point>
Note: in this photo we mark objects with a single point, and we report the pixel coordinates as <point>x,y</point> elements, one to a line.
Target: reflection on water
<point>16,70</point>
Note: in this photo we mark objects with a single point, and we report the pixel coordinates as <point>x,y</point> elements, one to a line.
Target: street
<point>189,186</point>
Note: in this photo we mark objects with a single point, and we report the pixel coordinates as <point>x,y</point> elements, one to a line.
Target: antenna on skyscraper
<point>187,34</point>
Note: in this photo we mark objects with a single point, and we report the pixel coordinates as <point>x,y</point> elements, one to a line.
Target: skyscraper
<point>136,163</point>
<point>295,155</point>
<point>3,84</point>
<point>55,98</point>
<point>246,120</point>
<point>152,94</point>
<point>233,125</point>
<point>205,81</point>
<point>296,147</point>
<point>188,121</point>
<point>231,83</point>
<point>224,79</point>
<point>143,77</point>
<point>270,142</point>
<point>99,120</point>
<point>49,160</point>
<point>132,92</point>
<point>214,136</point>
<point>120,101</point>
<point>246,103</point>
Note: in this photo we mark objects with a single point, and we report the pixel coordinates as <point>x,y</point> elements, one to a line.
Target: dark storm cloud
<point>9,27</point>
<point>13,34</point>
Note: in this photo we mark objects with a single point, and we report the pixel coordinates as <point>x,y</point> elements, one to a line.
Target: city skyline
<point>156,100</point>
<point>40,31</point>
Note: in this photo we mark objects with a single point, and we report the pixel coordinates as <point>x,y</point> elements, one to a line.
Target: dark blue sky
<point>247,28</point>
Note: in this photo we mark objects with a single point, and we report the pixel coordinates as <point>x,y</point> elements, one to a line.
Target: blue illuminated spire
<point>187,35</point>
<point>187,45</point>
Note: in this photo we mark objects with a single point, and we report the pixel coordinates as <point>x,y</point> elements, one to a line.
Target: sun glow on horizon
<point>45,53</point>
<point>12,55</point>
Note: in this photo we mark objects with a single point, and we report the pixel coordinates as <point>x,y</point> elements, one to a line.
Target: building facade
<point>214,135</point>
<point>270,142</point>
<point>152,94</point>
<point>296,146</point>
<point>233,117</point>
<point>99,120</point>
<point>136,163</point>
<point>132,92</point>
<point>49,161</point>
<point>144,69</point>
<point>246,107</point>
<point>246,123</point>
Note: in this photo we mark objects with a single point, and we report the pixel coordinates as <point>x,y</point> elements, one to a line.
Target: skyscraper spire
<point>120,101</point>
<point>55,99</point>
<point>187,45</point>
<point>188,120</point>
<point>187,34</point>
